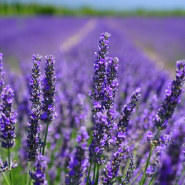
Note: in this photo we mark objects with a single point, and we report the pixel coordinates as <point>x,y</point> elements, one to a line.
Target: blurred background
<point>157,28</point>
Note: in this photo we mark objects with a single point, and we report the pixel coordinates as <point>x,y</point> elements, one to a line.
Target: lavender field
<point>104,105</point>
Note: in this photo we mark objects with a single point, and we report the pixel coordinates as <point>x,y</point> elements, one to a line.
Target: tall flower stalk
<point>130,171</point>
<point>99,78</point>
<point>100,136</point>
<point>167,107</point>
<point>105,88</point>
<point>7,122</point>
<point>112,168</point>
<point>48,95</point>
<point>34,127</point>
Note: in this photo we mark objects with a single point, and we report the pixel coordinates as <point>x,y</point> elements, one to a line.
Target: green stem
<point>45,138</point>
<point>28,179</point>
<point>94,171</point>
<point>9,165</point>
<point>88,174</point>
<point>97,174</point>
<point>153,178</point>
<point>148,160</point>
<point>6,178</point>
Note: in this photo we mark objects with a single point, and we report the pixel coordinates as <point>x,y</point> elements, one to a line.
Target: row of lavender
<point>39,32</point>
<point>162,35</point>
<point>121,143</point>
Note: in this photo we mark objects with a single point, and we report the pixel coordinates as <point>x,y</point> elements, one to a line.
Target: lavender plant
<point>167,108</point>
<point>34,127</point>
<point>7,121</point>
<point>112,167</point>
<point>100,136</point>
<point>105,87</point>
<point>48,94</point>
<point>100,73</point>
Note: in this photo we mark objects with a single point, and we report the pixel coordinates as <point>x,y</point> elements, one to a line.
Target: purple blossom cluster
<point>105,87</point>
<point>78,163</point>
<point>99,78</point>
<point>49,81</point>
<point>172,98</point>
<point>34,127</point>
<point>39,175</point>
<point>172,159</point>
<point>8,119</point>
<point>112,168</point>
<point>3,165</point>
<point>125,117</point>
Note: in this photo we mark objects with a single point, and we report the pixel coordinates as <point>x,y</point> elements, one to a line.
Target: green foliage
<point>16,8</point>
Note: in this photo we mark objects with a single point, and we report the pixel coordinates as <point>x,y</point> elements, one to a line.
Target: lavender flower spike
<point>1,73</point>
<point>39,175</point>
<point>112,168</point>
<point>105,87</point>
<point>100,72</point>
<point>171,160</point>
<point>112,71</point>
<point>49,90</point>
<point>3,165</point>
<point>172,97</point>
<point>48,94</point>
<point>8,119</point>
<point>34,128</point>
<point>130,171</point>
<point>100,139</point>
<point>109,94</point>
<point>125,117</point>
<point>78,163</point>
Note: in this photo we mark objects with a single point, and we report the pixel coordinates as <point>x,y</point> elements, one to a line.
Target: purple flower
<point>3,165</point>
<point>112,168</point>
<point>130,171</point>
<point>39,175</point>
<point>105,87</point>
<point>172,97</point>
<point>112,70</point>
<point>79,162</point>
<point>171,160</point>
<point>34,128</point>
<point>125,117</point>
<point>49,82</point>
<point>100,72</point>
<point>100,138</point>
<point>8,119</point>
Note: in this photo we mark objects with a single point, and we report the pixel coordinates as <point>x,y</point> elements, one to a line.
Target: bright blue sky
<point>116,4</point>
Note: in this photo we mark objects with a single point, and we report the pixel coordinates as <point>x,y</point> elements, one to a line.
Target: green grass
<point>16,8</point>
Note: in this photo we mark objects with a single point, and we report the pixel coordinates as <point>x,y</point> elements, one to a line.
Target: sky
<point>116,4</point>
